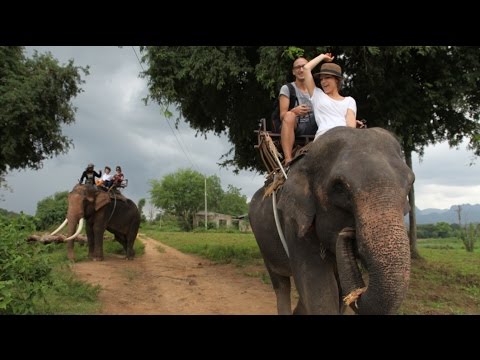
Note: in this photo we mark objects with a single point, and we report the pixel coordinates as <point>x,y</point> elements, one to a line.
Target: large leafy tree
<point>35,101</point>
<point>422,94</point>
<point>233,202</point>
<point>183,194</point>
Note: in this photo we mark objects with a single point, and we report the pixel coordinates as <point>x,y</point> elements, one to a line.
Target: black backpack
<point>275,118</point>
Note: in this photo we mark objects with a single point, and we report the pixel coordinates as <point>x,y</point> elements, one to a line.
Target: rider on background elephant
<point>89,175</point>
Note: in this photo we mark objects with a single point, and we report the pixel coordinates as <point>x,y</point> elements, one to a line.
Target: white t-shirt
<point>107,177</point>
<point>330,113</point>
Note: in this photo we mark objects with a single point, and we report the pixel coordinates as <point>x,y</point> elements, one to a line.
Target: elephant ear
<point>297,202</point>
<point>101,200</point>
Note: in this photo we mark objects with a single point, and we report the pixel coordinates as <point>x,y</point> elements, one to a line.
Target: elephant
<point>119,215</point>
<point>342,203</point>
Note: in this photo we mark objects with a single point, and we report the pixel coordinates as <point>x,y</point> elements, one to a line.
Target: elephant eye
<point>339,195</point>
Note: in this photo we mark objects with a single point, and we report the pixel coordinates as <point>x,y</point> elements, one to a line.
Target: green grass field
<point>67,295</point>
<point>445,281</point>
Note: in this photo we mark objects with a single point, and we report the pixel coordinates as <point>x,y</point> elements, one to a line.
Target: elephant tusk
<point>80,226</point>
<point>60,227</point>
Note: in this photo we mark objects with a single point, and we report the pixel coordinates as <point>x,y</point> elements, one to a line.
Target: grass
<point>445,281</point>
<point>236,248</point>
<point>67,295</point>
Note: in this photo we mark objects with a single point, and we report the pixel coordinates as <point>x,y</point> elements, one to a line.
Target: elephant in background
<point>343,202</point>
<point>120,216</point>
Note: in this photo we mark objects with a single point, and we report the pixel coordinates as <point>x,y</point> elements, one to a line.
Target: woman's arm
<point>307,70</point>
<point>351,119</point>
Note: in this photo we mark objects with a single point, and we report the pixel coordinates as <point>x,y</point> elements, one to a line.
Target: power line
<point>135,51</point>
<point>179,141</point>
<point>181,138</point>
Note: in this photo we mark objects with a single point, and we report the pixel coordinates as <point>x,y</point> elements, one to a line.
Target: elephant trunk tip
<point>353,296</point>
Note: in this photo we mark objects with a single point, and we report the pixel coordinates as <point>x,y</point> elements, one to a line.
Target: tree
<point>140,205</point>
<point>52,210</point>
<point>423,94</point>
<point>183,193</point>
<point>35,101</point>
<point>443,229</point>
<point>233,202</point>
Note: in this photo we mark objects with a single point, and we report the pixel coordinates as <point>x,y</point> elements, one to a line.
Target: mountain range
<point>469,214</point>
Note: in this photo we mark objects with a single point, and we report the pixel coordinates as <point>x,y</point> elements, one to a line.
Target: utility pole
<point>206,228</point>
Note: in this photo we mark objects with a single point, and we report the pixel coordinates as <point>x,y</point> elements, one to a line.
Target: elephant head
<point>121,217</point>
<point>345,201</point>
<point>83,202</point>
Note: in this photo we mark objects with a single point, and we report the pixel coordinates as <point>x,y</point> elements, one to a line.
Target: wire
<point>179,141</point>
<point>135,51</point>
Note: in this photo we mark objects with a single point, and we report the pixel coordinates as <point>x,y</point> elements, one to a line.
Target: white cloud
<point>445,177</point>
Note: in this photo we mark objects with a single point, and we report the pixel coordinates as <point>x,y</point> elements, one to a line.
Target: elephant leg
<point>70,253</point>
<point>98,253</point>
<point>122,240</point>
<point>130,240</point>
<point>316,284</point>
<point>282,287</point>
<point>300,309</point>
<point>98,242</point>
<point>91,241</point>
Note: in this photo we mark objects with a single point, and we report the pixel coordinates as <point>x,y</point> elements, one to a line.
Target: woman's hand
<point>327,57</point>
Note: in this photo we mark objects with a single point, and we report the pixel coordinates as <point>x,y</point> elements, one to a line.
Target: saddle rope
<point>277,222</point>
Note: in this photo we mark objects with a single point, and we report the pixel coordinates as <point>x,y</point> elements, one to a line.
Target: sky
<point>114,127</point>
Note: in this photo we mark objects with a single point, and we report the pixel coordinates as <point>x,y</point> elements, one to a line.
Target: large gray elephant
<point>343,202</point>
<point>118,215</point>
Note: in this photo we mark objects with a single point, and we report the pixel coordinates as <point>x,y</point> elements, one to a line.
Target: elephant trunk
<point>350,276</point>
<point>384,248</point>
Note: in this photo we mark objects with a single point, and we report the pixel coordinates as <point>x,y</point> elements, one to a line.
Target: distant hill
<point>469,214</point>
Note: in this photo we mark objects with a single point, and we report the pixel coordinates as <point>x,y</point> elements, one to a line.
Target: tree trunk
<point>412,219</point>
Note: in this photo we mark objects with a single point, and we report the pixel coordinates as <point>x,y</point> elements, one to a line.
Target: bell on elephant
<point>101,212</point>
<point>343,203</point>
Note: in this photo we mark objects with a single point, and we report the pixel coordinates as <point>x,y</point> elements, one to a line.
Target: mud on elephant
<point>343,202</point>
<point>119,215</point>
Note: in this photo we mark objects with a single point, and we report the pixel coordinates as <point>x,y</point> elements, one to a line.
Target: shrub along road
<point>170,282</point>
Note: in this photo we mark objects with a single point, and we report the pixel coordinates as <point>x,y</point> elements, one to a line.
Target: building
<point>222,221</point>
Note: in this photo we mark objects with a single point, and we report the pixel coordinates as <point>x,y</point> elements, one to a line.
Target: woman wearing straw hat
<point>330,108</point>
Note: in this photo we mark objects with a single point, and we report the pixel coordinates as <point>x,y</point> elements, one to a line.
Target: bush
<point>24,273</point>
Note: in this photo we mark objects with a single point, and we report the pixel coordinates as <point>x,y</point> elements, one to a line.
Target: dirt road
<point>170,282</point>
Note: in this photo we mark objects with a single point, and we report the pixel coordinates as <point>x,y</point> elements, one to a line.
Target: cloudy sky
<point>114,127</point>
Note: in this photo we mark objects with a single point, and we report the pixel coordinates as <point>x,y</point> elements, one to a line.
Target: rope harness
<point>114,204</point>
<point>276,176</point>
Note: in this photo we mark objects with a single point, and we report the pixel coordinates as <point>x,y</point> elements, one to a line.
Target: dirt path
<point>171,282</point>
